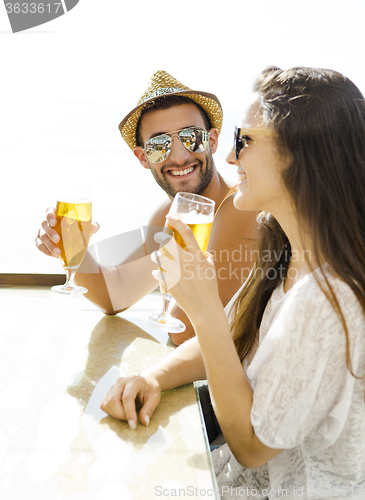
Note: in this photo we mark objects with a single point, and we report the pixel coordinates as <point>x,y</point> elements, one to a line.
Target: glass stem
<point>165,306</point>
<point>70,277</point>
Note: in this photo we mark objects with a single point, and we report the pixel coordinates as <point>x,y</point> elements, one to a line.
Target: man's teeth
<point>182,172</point>
<point>242,177</point>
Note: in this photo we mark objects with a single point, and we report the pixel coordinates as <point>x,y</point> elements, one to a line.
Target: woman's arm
<point>182,366</point>
<point>230,391</point>
<point>231,394</point>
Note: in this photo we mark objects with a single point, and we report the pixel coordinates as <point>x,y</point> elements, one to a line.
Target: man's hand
<point>120,402</point>
<point>47,237</point>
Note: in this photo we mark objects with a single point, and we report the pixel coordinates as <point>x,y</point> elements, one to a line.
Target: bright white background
<point>66,85</point>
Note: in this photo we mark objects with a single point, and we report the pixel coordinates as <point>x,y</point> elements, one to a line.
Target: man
<point>173,131</point>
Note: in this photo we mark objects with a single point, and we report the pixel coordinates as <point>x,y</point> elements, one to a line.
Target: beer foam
<point>195,218</point>
<point>73,200</point>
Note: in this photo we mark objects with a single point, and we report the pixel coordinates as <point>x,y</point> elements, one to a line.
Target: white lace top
<point>305,400</point>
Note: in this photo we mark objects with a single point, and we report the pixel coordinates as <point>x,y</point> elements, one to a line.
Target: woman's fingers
<point>209,257</point>
<point>112,402</point>
<point>186,233</point>
<point>162,238</point>
<point>120,402</point>
<point>149,407</point>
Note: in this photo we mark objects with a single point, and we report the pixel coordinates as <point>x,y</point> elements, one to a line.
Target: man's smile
<point>181,171</point>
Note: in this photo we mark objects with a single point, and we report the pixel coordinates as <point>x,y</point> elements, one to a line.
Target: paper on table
<point>157,334</point>
<point>116,457</point>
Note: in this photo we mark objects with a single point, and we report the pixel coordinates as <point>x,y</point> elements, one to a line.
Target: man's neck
<point>217,189</point>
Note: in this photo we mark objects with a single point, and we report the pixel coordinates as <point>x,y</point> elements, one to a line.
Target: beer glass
<point>73,215</point>
<point>198,213</point>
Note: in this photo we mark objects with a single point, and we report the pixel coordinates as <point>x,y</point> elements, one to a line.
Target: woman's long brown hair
<point>319,117</point>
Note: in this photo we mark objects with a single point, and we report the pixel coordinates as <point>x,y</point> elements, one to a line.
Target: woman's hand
<point>120,401</point>
<point>189,274</point>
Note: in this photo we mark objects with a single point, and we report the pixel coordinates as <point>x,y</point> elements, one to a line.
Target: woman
<point>294,418</point>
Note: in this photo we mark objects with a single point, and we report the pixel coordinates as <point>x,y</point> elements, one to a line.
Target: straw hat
<point>163,84</point>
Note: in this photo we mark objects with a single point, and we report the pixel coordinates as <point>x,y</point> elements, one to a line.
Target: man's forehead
<point>160,121</point>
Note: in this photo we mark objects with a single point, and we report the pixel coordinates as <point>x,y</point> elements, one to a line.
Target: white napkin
<point>161,336</point>
<point>116,457</point>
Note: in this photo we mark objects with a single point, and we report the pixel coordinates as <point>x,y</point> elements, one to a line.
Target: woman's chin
<point>239,201</point>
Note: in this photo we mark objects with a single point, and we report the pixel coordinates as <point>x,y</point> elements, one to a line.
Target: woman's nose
<point>231,157</point>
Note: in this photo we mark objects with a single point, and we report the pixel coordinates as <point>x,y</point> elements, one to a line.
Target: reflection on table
<point>54,351</point>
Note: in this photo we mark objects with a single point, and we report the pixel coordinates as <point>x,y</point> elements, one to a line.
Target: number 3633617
<point>32,8</point>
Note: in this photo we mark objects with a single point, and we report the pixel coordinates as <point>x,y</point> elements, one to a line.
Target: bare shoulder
<point>157,217</point>
<point>232,226</point>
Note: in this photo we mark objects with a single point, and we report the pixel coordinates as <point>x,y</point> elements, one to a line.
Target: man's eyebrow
<point>168,133</point>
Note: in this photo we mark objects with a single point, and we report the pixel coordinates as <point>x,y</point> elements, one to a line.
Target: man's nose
<point>179,153</point>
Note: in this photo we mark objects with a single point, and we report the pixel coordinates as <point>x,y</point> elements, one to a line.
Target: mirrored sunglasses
<point>158,148</point>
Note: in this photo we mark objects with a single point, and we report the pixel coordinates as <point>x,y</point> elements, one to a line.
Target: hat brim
<point>208,102</point>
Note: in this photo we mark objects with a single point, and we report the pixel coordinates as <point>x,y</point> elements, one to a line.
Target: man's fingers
<point>50,232</point>
<point>46,243</point>
<point>95,226</point>
<point>51,216</point>
<point>42,248</point>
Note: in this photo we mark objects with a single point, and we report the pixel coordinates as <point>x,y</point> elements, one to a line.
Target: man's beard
<point>205,176</point>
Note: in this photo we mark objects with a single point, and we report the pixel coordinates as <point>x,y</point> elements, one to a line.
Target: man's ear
<point>141,155</point>
<point>213,139</point>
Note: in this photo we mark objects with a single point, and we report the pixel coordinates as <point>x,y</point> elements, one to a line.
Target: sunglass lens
<point>195,140</point>
<point>158,148</point>
<point>238,145</point>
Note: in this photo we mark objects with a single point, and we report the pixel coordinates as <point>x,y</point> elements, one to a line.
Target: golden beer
<point>74,227</point>
<point>201,225</point>
<point>198,213</point>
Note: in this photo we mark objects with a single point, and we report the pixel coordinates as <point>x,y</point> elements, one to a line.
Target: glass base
<point>166,323</point>
<point>67,289</point>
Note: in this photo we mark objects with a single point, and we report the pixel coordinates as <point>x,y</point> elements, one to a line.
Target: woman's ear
<point>141,155</point>
<point>213,139</point>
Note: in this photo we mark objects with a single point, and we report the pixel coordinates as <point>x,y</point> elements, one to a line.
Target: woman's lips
<point>241,177</point>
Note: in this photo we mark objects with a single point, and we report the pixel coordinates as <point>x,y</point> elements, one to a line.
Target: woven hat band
<point>160,93</point>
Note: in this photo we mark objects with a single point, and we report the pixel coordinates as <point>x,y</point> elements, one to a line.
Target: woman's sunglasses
<point>241,137</point>
<point>158,148</point>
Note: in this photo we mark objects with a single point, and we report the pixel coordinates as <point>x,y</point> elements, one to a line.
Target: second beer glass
<point>198,213</point>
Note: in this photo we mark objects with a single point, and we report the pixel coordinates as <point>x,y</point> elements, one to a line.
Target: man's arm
<point>114,289</point>
<point>232,243</point>
<point>119,272</point>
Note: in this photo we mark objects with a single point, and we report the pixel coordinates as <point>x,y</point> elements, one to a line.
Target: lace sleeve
<point>302,387</point>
